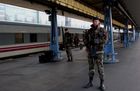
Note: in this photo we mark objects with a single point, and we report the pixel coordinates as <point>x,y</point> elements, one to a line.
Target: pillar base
<point>58,58</point>
<point>110,61</point>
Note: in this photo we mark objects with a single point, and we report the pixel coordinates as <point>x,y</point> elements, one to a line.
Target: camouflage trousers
<point>69,53</point>
<point>96,60</point>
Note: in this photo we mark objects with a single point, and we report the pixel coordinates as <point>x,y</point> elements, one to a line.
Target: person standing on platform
<point>68,44</point>
<point>95,38</point>
<point>76,40</point>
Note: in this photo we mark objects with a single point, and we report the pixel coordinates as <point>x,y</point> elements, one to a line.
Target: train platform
<point>26,74</point>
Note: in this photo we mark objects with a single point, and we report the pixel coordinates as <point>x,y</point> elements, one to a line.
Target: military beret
<point>95,18</point>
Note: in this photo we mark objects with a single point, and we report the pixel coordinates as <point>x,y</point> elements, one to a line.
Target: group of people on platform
<point>74,38</point>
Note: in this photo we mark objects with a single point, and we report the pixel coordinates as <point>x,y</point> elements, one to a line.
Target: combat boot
<point>71,59</point>
<point>89,84</point>
<point>68,60</point>
<point>102,86</point>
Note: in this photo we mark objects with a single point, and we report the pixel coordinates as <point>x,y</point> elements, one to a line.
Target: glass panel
<point>18,14</point>
<point>44,18</point>
<point>60,20</point>
<point>2,12</point>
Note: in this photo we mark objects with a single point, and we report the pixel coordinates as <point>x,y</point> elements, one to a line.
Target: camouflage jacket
<point>68,39</point>
<point>95,39</point>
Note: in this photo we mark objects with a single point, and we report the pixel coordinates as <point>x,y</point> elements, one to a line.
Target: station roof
<point>84,8</point>
<point>132,6</point>
<point>119,10</point>
<point>124,8</point>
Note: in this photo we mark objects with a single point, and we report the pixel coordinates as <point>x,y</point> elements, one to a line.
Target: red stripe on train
<point>7,49</point>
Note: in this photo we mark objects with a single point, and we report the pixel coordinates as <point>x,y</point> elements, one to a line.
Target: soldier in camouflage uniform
<point>68,43</point>
<point>95,39</point>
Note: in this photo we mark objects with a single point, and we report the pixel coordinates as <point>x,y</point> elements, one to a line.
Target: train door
<point>63,34</point>
<point>61,37</point>
<point>48,37</point>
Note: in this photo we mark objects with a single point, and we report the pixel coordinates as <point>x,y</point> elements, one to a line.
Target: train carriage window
<point>19,38</point>
<point>33,37</point>
<point>48,36</point>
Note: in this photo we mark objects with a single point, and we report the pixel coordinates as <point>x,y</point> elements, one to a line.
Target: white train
<point>20,38</point>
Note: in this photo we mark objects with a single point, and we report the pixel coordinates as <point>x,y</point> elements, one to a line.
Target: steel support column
<point>137,35</point>
<point>119,37</point>
<point>54,46</point>
<point>109,47</point>
<point>126,38</point>
<point>134,34</point>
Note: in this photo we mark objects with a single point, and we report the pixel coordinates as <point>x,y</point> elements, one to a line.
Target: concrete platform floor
<point>26,74</point>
